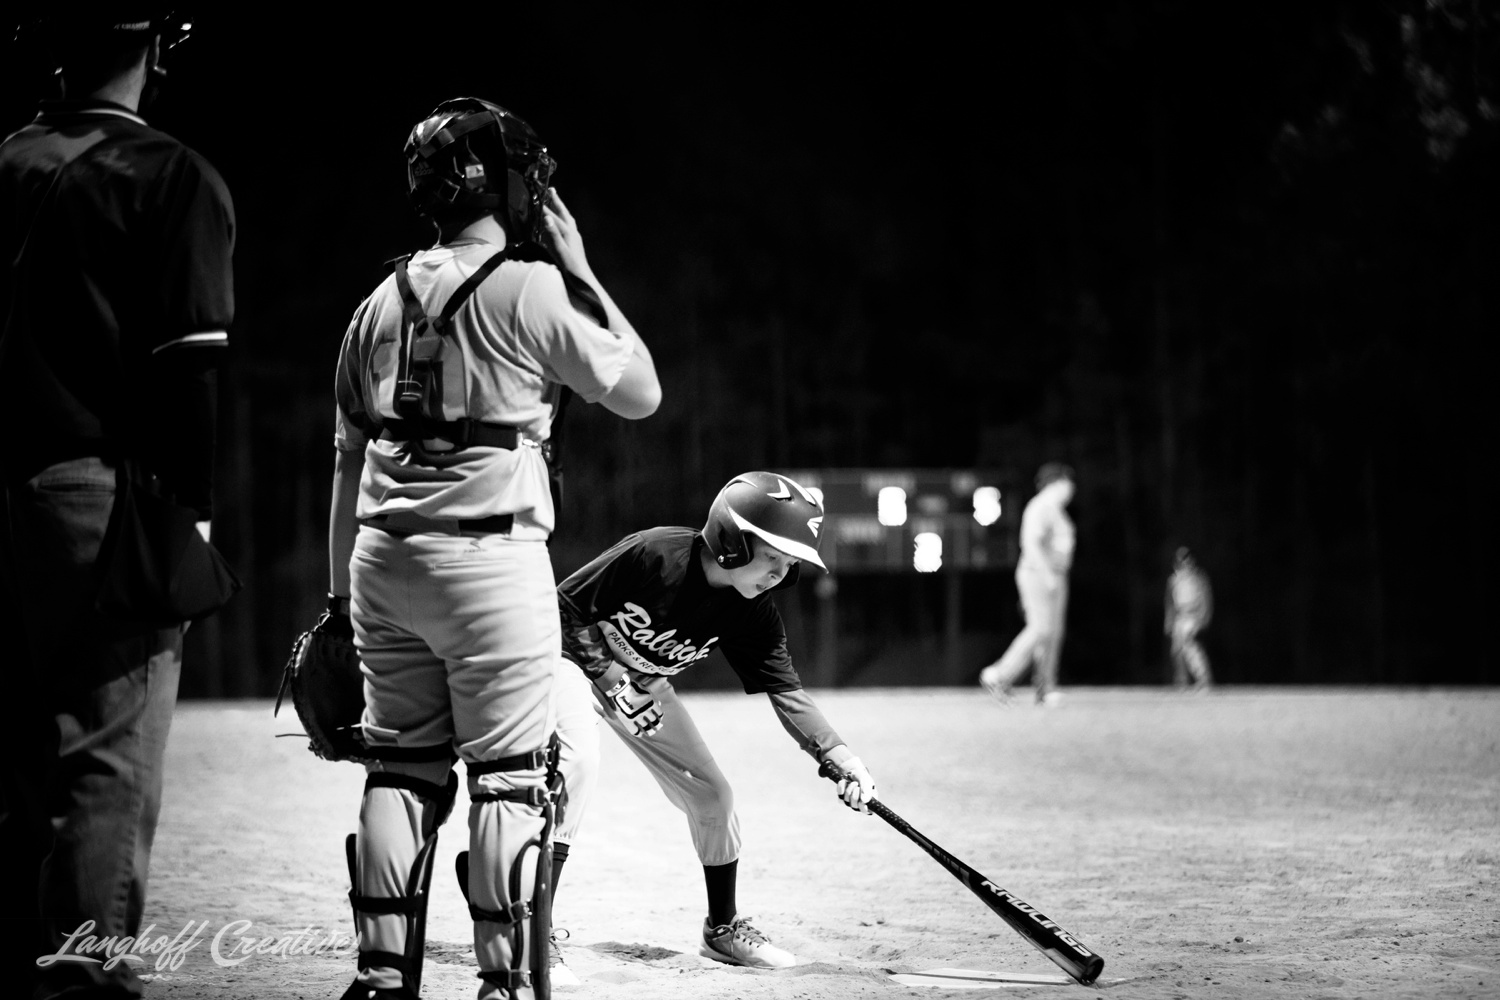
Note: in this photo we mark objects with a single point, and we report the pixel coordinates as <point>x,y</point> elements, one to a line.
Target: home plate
<point>970,979</point>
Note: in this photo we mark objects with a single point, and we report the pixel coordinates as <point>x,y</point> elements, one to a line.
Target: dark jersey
<point>656,613</point>
<point>116,291</point>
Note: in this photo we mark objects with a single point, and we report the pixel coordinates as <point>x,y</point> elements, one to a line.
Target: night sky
<point>1234,265</point>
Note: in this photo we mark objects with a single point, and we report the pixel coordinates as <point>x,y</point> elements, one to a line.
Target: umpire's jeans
<point>80,781</point>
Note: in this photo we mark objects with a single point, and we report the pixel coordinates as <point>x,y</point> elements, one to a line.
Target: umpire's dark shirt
<point>117,292</point>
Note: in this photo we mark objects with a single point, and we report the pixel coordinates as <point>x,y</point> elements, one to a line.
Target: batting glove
<point>857,787</point>
<point>635,706</point>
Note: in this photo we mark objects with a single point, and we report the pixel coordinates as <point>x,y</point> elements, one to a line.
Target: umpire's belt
<point>406,523</point>
<point>463,433</point>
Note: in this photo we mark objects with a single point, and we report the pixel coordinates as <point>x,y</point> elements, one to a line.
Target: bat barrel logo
<point>1037,915</point>
<point>1042,932</point>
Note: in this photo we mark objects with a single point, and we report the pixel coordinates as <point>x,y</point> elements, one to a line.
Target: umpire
<point>117,295</point>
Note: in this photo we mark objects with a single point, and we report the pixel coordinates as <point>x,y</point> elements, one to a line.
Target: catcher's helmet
<point>774,508</point>
<point>469,154</point>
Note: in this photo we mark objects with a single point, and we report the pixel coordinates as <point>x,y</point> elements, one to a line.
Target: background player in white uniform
<point>1190,607</point>
<point>651,606</point>
<point>438,533</point>
<point>1042,581</point>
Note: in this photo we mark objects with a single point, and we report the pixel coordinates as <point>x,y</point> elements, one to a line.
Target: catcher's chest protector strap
<point>417,319</point>
<point>418,392</point>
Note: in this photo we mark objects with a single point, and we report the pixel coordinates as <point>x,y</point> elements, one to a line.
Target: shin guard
<point>412,903</point>
<point>526,922</point>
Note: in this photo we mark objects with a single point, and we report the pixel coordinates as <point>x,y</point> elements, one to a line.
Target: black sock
<point>559,858</point>
<point>720,882</point>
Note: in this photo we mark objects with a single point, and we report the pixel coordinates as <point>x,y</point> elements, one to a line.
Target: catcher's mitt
<point>327,688</point>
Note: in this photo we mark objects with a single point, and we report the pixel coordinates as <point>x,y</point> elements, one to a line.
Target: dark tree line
<point>1236,266</point>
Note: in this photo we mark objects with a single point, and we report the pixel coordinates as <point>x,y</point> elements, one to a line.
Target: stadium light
<point>928,554</point>
<point>986,505</point>
<point>890,506</point>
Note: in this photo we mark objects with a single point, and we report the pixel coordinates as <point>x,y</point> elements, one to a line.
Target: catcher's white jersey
<point>521,338</point>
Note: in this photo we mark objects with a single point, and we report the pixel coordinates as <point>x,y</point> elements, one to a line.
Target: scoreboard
<point>916,520</point>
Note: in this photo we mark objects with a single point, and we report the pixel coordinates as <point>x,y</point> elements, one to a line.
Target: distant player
<point>1042,581</point>
<point>653,605</point>
<point>1190,607</point>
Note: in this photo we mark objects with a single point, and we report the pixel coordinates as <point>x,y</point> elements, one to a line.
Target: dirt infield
<point>1258,842</point>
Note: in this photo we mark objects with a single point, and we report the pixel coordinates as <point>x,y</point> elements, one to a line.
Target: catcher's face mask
<point>470,153</point>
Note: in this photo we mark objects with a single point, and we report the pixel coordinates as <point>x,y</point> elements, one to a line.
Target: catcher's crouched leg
<point>508,885</point>
<point>390,868</point>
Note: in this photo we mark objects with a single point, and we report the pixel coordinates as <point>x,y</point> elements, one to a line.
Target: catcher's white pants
<point>459,636</point>
<point>1044,602</point>
<point>676,756</point>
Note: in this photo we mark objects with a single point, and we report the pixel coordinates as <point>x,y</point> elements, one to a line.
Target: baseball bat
<point>1026,920</point>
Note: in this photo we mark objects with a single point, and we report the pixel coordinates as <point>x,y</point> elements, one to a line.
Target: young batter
<point>653,605</point>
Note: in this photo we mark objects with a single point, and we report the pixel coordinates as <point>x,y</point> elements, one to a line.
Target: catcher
<point>448,385</point>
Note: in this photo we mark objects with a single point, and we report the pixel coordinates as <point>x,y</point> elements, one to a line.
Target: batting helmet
<point>775,509</point>
<point>471,155</point>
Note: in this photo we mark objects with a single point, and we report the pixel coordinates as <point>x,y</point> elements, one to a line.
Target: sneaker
<point>557,969</point>
<point>1052,699</point>
<point>738,943</point>
<point>1000,692</point>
